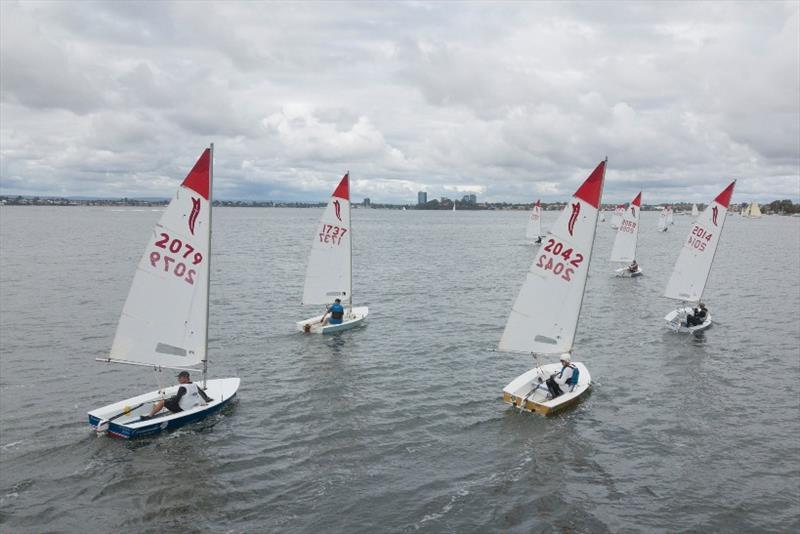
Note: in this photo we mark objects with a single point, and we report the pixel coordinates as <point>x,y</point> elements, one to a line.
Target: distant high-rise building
<point>366,202</point>
<point>422,197</point>
<point>470,199</point>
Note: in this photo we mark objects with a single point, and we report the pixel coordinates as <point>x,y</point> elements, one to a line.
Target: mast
<point>350,218</point>
<point>591,250</point>
<point>714,255</point>
<point>208,256</point>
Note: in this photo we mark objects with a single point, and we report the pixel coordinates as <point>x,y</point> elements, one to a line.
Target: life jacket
<point>191,398</point>
<point>573,379</point>
<point>337,311</point>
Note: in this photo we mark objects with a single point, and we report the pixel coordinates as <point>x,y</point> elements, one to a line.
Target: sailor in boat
<point>633,267</point>
<point>188,397</point>
<point>568,376</point>
<point>698,316</point>
<point>336,312</point>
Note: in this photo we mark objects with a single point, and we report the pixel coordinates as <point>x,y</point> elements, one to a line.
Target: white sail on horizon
<point>164,319</point>
<point>695,211</point>
<point>545,314</point>
<point>662,219</point>
<point>689,276</point>
<point>328,274</point>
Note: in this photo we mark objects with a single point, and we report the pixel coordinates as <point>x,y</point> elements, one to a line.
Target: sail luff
<point>208,256</point>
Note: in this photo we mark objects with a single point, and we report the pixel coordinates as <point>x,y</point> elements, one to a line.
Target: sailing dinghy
<point>670,213</point>
<point>616,219</point>
<point>624,249</point>
<point>695,212</point>
<point>164,323</point>
<point>544,318</point>
<point>662,220</point>
<point>329,274</point>
<point>534,229</point>
<point>689,277</point>
<point>753,211</point>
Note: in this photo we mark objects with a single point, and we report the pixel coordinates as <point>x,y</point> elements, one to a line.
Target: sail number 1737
<point>561,261</point>
<point>332,234</point>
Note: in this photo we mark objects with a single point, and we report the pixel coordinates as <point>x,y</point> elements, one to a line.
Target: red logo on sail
<point>576,209</point>
<point>714,211</point>
<point>633,211</point>
<point>338,208</point>
<point>193,215</point>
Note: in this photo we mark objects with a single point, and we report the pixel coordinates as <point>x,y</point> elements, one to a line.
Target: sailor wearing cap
<point>567,376</point>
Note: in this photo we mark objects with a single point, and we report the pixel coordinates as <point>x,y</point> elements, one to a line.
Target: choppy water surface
<point>399,426</point>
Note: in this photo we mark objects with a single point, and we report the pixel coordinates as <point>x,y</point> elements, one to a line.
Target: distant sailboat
<point>670,213</point>
<point>329,274</point>
<point>164,323</point>
<point>454,205</point>
<point>689,277</point>
<point>752,211</point>
<point>616,219</point>
<point>534,229</point>
<point>624,249</point>
<point>695,213</point>
<point>544,318</point>
<point>662,219</point>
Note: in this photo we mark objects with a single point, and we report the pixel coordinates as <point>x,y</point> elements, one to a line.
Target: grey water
<point>398,426</point>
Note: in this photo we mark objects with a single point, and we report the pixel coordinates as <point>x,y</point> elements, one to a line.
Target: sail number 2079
<point>560,261</point>
<point>184,253</point>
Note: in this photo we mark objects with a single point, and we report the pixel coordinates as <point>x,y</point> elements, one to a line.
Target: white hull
<point>128,425</point>
<point>352,318</point>
<point>676,321</point>
<point>625,273</point>
<point>529,393</point>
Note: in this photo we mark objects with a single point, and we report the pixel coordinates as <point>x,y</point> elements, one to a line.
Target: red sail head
<point>338,208</point>
<point>193,215</point>
<point>576,209</point>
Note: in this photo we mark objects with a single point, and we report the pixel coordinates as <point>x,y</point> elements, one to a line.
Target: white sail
<point>616,219</point>
<point>329,275</point>
<point>164,319</point>
<point>545,314</point>
<point>695,213</point>
<point>689,276</point>
<point>662,219</point>
<point>669,215</point>
<point>624,249</point>
<point>534,229</point>
<point>753,211</point>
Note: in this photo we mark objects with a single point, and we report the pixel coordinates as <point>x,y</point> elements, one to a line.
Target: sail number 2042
<point>698,238</point>
<point>177,265</point>
<point>332,234</point>
<point>561,261</point>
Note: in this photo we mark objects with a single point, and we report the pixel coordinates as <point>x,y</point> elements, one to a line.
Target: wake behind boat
<point>329,274</point>
<point>544,318</point>
<point>164,323</point>
<point>689,277</point>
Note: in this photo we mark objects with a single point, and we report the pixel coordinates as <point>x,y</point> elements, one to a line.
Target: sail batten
<point>166,305</point>
<point>544,317</point>
<point>691,270</point>
<point>328,274</point>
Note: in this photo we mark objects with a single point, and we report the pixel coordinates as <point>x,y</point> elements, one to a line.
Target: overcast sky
<point>512,101</point>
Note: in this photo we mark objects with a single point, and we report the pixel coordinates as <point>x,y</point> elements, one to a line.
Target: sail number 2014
<point>698,238</point>
<point>184,253</point>
<point>332,234</point>
<point>553,261</point>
